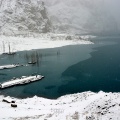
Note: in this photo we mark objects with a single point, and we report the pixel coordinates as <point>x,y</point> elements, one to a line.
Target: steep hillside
<point>83,16</point>
<point>23,16</point>
<point>59,16</point>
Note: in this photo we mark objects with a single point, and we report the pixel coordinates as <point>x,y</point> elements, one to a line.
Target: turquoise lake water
<point>67,70</point>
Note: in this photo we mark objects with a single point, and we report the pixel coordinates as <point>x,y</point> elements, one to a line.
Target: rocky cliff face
<point>59,16</point>
<point>23,16</point>
<point>83,16</point>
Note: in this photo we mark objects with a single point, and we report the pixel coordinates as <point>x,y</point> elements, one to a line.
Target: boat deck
<point>22,80</point>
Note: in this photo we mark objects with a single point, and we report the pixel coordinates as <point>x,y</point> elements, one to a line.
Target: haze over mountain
<point>84,16</point>
<point>59,16</point>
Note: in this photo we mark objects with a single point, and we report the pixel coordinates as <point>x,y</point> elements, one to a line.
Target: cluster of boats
<point>23,79</point>
<point>19,81</point>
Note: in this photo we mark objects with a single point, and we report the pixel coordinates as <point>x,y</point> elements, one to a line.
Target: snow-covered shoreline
<point>80,106</point>
<point>41,42</point>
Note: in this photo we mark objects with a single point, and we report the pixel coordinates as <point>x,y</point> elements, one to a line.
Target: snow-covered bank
<point>41,42</point>
<point>81,106</point>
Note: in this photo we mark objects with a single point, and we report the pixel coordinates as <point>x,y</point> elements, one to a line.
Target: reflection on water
<point>67,69</point>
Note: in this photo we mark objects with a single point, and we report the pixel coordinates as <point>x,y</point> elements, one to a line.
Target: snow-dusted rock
<point>59,16</point>
<point>84,16</point>
<point>23,16</point>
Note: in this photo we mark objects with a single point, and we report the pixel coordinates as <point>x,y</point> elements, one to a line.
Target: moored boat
<point>20,81</point>
<point>10,66</point>
<point>32,62</point>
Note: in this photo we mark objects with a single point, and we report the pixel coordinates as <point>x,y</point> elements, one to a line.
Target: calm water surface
<point>69,69</point>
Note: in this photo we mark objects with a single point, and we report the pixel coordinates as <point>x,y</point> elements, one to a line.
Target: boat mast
<point>9,48</point>
<point>3,47</point>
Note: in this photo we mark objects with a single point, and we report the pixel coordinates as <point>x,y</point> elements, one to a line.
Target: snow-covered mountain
<point>23,16</point>
<point>82,16</point>
<point>59,16</point>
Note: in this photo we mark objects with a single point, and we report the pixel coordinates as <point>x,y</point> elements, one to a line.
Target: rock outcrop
<point>23,16</point>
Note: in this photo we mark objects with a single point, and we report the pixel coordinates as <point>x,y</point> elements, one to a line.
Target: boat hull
<point>21,81</point>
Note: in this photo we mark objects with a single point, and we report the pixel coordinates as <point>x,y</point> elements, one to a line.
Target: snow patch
<point>80,106</point>
<point>42,41</point>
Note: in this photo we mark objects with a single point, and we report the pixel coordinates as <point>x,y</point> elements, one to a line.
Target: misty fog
<point>60,16</point>
<point>86,16</point>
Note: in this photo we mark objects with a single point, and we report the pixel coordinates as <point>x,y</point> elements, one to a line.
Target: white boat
<point>22,80</point>
<point>32,62</point>
<point>9,66</point>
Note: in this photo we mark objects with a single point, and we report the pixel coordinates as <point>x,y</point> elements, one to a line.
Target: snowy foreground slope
<point>80,106</point>
<point>40,42</point>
